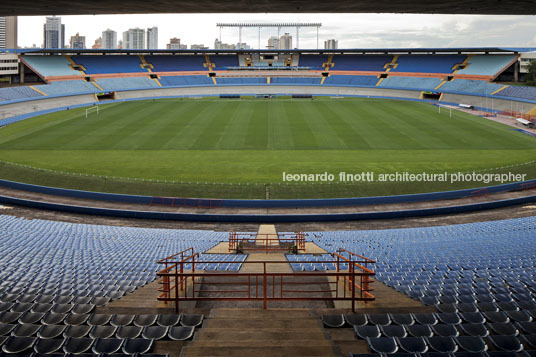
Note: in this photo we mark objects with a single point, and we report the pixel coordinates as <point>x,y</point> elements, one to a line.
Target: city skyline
<point>351,30</point>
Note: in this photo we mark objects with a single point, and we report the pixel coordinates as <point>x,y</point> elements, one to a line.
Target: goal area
<point>94,109</point>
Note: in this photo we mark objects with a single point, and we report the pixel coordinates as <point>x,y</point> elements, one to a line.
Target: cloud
<point>352,30</point>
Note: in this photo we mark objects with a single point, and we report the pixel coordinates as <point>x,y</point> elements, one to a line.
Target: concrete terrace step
<point>274,343</point>
<point>228,323</point>
<point>259,335</point>
<point>262,314</point>
<point>259,351</point>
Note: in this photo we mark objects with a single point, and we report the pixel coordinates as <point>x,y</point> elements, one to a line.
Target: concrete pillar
<point>516,72</point>
<point>22,68</point>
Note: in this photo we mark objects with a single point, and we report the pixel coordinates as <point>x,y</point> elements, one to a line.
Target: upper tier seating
<point>487,65</point>
<point>461,262</point>
<point>55,274</point>
<point>170,81</point>
<point>295,80</point>
<point>470,86</point>
<point>240,81</point>
<point>481,277</point>
<point>177,63</point>
<point>519,92</point>
<point>221,62</point>
<point>51,65</point>
<point>67,87</point>
<point>126,83</point>
<point>360,63</point>
<point>351,80</point>
<point>107,267</point>
<point>411,82</point>
<point>427,63</point>
<point>314,62</point>
<point>13,93</point>
<point>109,64</point>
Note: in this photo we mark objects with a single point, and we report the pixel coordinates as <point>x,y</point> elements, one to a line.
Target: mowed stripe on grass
<point>248,141</point>
<point>270,125</point>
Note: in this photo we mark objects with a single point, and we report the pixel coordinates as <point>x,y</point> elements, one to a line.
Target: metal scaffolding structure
<point>278,25</point>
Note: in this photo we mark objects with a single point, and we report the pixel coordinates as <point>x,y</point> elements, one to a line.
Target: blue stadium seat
<point>487,65</point>
<point>360,62</point>
<point>427,63</point>
<point>177,63</point>
<point>50,66</point>
<point>115,84</point>
<point>98,64</point>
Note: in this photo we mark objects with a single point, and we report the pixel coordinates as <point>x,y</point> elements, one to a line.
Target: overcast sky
<point>352,30</point>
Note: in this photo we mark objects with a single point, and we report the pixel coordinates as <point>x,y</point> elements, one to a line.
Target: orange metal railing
<point>266,282</point>
<point>360,263</point>
<point>515,114</point>
<point>266,242</point>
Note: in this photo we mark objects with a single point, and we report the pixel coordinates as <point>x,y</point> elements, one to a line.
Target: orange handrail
<point>254,286</point>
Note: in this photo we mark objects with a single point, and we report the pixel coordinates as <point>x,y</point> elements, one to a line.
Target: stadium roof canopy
<point>68,7</point>
<point>44,51</point>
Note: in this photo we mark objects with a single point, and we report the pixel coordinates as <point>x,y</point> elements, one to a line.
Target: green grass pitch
<point>255,141</point>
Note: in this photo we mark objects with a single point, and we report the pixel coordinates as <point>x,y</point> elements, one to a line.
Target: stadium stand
<point>262,64</point>
<point>470,86</point>
<point>221,62</point>
<point>428,64</point>
<point>360,63</point>
<point>519,92</point>
<point>111,84</point>
<point>351,80</point>
<point>67,87</point>
<point>313,62</point>
<point>239,80</point>
<point>487,65</point>
<point>176,63</point>
<point>99,64</point>
<point>13,93</point>
<point>419,261</point>
<point>295,80</point>
<point>170,81</point>
<point>411,82</point>
<point>50,306</point>
<point>480,277</point>
<point>48,66</point>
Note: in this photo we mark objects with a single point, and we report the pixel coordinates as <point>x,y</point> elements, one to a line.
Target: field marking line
<point>237,183</point>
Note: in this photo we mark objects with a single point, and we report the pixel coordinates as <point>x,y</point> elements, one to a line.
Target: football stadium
<point>270,202</point>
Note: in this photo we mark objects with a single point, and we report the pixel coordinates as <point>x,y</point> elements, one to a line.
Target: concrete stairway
<point>254,332</point>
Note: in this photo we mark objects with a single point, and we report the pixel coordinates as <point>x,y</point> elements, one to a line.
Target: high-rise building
<point>109,39</point>
<point>273,43</point>
<point>243,46</point>
<point>8,31</point>
<point>218,45</point>
<point>134,39</point>
<point>331,44</point>
<point>285,42</point>
<point>98,44</point>
<point>152,38</point>
<point>53,33</point>
<point>78,41</point>
<point>174,44</point>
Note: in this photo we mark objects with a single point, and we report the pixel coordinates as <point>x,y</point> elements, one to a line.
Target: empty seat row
<point>100,331</point>
<point>51,300</point>
<point>487,306</point>
<point>19,345</point>
<point>70,319</point>
<point>42,307</point>
<point>453,318</point>
<point>469,344</point>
